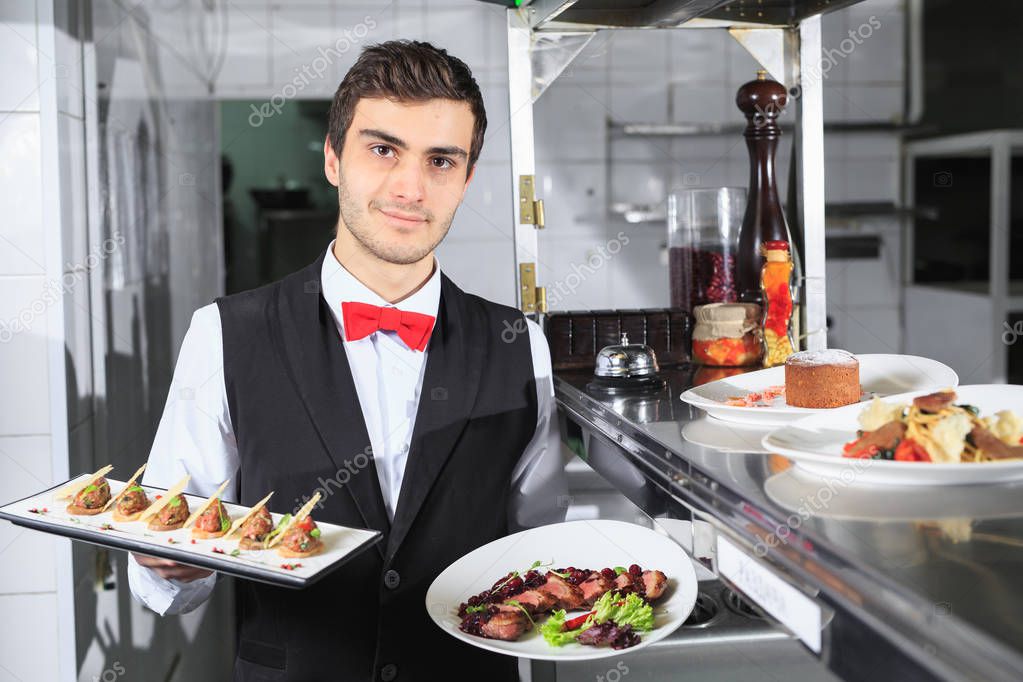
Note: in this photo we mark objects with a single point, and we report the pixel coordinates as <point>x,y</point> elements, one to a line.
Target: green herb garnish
<point>277,531</point>
<point>476,609</point>
<point>512,602</point>
<point>314,533</point>
<point>619,570</point>
<point>235,552</point>
<point>174,501</point>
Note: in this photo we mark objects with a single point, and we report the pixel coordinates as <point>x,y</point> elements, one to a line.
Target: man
<point>434,403</point>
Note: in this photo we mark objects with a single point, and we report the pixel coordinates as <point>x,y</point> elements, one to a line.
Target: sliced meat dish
<point>566,595</point>
<point>884,438</point>
<point>534,601</point>
<point>625,583</point>
<point>934,402</point>
<point>654,583</point>
<point>993,446</point>
<point>594,587</point>
<point>504,622</point>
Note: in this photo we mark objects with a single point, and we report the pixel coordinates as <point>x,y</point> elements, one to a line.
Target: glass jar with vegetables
<point>727,334</point>
<point>776,285</point>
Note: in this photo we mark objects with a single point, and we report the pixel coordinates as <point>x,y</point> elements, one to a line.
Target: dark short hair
<point>406,71</point>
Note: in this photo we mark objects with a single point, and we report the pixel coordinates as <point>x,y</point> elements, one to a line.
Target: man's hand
<point>171,570</point>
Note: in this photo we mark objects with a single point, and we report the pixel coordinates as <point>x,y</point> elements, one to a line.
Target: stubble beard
<point>357,221</point>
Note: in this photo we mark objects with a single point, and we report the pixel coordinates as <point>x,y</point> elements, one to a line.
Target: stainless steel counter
<point>909,583</point>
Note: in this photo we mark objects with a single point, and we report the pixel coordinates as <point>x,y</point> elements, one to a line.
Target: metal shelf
<point>783,36</point>
<point>604,14</point>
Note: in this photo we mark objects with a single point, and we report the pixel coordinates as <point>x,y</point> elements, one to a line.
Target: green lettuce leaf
<point>631,610</point>
<point>552,630</point>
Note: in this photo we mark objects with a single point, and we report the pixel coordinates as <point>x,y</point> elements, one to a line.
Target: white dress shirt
<point>195,435</point>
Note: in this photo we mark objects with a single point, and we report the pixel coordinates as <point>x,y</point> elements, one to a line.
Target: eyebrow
<point>401,144</point>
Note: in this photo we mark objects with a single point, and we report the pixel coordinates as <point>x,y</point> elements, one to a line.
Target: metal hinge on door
<point>530,208</point>
<point>534,298</point>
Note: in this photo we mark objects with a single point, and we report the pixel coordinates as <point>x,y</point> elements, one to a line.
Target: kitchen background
<point>133,134</point>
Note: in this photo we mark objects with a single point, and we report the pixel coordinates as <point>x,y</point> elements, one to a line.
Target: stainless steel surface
<point>561,14</point>
<point>911,587</point>
<point>626,360</point>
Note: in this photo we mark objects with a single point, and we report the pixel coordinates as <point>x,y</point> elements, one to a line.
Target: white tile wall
<point>575,199</point>
<point>490,195</point>
<point>247,60</point>
<point>25,462</point>
<point>21,201</point>
<point>26,649</point>
<point>638,100</point>
<point>19,54</point>
<point>574,272</point>
<point>24,302</point>
<point>300,35</point>
<point>570,123</point>
<point>482,45</point>
<point>638,272</point>
<point>482,266</point>
<point>698,56</point>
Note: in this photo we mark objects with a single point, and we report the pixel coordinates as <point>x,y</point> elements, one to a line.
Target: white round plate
<point>717,434</point>
<point>815,443</point>
<point>880,374</point>
<point>804,493</point>
<point>588,544</point>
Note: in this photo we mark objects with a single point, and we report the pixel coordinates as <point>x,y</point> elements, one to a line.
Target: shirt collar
<point>338,285</point>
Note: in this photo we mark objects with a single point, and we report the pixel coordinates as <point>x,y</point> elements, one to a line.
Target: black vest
<point>299,427</point>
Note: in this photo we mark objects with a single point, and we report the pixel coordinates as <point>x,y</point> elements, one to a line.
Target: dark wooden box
<point>575,337</point>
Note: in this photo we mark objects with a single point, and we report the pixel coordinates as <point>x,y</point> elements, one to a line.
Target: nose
<point>407,181</point>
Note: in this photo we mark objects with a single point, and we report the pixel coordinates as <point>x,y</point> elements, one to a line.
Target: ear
<point>468,178</point>
<point>331,163</point>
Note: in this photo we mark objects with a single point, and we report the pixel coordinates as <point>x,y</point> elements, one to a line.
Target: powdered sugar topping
<point>828,356</point>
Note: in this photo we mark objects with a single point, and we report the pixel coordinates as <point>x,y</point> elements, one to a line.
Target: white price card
<point>789,606</point>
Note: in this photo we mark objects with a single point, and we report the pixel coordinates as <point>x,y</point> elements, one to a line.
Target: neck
<point>393,282</point>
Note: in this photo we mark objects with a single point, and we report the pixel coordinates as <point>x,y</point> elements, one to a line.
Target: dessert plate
<point>880,374</point>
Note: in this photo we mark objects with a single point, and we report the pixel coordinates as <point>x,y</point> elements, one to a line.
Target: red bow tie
<point>362,319</point>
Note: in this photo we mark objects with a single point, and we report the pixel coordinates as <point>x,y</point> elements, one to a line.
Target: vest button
<point>392,580</point>
<point>389,672</point>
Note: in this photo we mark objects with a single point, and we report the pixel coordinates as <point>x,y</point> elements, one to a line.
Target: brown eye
<point>442,162</point>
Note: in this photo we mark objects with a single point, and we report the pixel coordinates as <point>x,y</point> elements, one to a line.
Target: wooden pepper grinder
<point>761,101</point>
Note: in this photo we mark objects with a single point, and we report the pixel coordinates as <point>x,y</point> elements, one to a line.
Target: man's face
<point>402,174</point>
